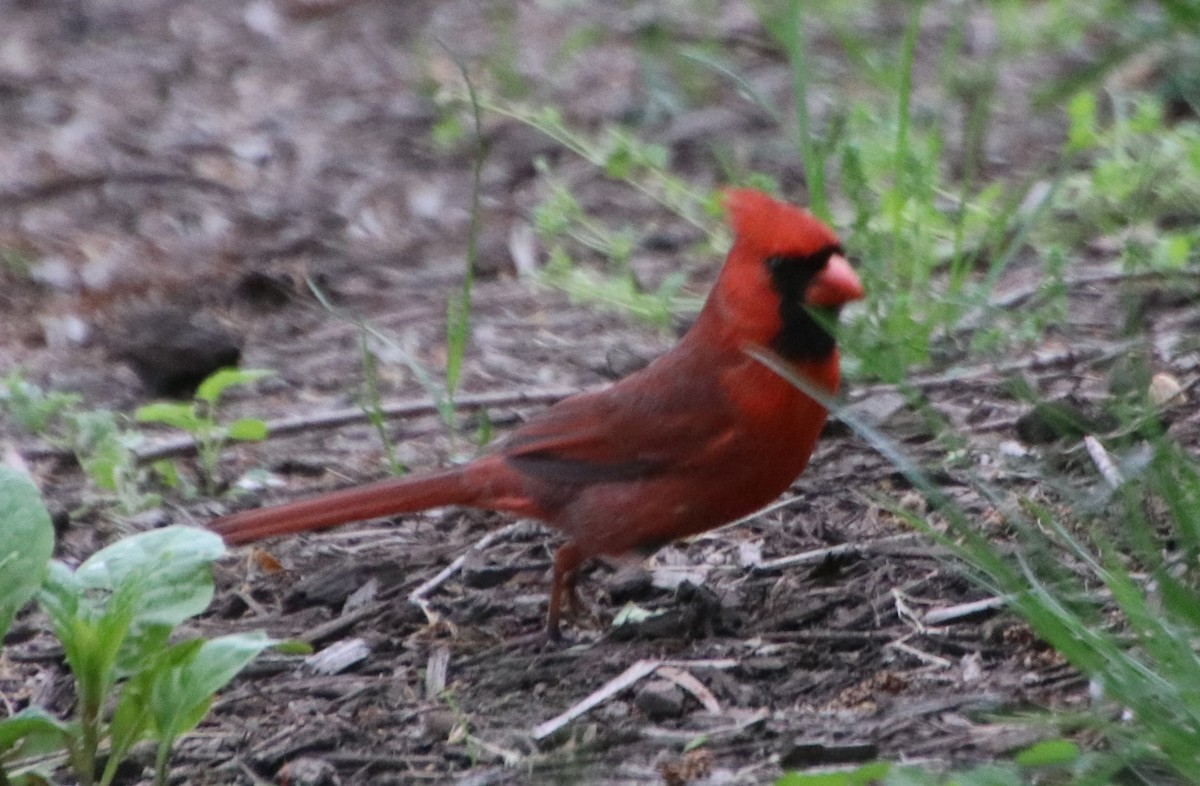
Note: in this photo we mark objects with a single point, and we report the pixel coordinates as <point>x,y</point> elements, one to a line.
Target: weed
<point>100,439</point>
<point>114,615</point>
<point>199,419</point>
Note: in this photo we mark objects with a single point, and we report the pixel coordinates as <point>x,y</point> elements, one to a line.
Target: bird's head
<point>786,277</point>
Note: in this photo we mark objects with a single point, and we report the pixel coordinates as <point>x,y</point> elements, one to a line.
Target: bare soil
<point>208,156</point>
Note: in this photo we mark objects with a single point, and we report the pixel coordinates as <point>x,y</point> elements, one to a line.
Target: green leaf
<point>862,776</point>
<point>1175,250</point>
<point>27,723</point>
<point>26,542</point>
<point>247,430</point>
<point>218,382</point>
<point>293,647</point>
<point>184,688</point>
<point>121,604</point>
<point>180,416</point>
<point>1048,752</point>
<point>170,564</point>
<point>131,719</point>
<point>92,628</point>
<point>167,472</point>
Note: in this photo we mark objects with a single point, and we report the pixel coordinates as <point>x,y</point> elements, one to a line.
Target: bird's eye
<point>774,263</point>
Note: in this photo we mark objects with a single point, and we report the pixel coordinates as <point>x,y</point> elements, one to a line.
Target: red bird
<point>704,435</point>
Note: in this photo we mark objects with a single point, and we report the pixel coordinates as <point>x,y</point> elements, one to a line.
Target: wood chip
<point>437,670</point>
<point>1103,461</point>
<point>338,657</point>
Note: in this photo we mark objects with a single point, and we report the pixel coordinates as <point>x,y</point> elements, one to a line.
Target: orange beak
<point>836,285</point>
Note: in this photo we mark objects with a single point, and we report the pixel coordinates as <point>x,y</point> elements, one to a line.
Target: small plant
<point>107,452</point>
<point>105,448</point>
<point>373,405</point>
<point>1142,184</point>
<point>458,307</point>
<point>27,544</point>
<point>622,156</point>
<point>1050,761</point>
<point>1114,594</point>
<point>562,223</point>
<point>114,615</point>
<point>199,418</point>
<point>32,408</point>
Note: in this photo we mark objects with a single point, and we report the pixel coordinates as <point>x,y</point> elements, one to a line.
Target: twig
<point>67,184</point>
<point>417,596</point>
<point>631,675</point>
<point>673,670</point>
<point>354,415</point>
<point>957,612</point>
<point>828,636</point>
<point>1033,360</point>
<point>778,504</point>
<point>719,664</point>
<point>924,657</point>
<point>336,626</point>
<point>510,757</point>
<point>905,611</point>
<point>1018,296</point>
<point>743,719</point>
<point>689,683</point>
<point>820,555</point>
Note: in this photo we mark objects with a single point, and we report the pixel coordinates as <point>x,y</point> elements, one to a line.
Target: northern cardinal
<point>704,435</point>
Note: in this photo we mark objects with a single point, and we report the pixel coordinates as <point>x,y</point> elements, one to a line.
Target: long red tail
<point>383,498</point>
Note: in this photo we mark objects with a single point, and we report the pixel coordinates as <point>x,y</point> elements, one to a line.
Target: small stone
<point>437,725</point>
<point>1011,449</point>
<point>309,771</point>
<point>660,699</point>
<point>630,583</point>
<point>1165,390</point>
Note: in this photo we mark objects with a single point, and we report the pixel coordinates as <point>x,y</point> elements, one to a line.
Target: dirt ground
<point>207,156</point>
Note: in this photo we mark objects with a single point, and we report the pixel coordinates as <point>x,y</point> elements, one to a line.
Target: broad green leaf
<point>92,630</point>
<point>183,689</point>
<point>26,542</point>
<point>180,416</point>
<point>170,564</point>
<point>218,382</point>
<point>59,596</point>
<point>28,722</point>
<point>121,604</point>
<point>247,430</point>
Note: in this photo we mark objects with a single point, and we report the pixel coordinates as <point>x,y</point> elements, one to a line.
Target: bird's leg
<point>567,560</point>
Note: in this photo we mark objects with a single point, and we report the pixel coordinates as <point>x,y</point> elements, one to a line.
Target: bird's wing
<point>604,438</point>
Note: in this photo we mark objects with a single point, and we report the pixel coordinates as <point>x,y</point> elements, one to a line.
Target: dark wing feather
<point>607,438</point>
